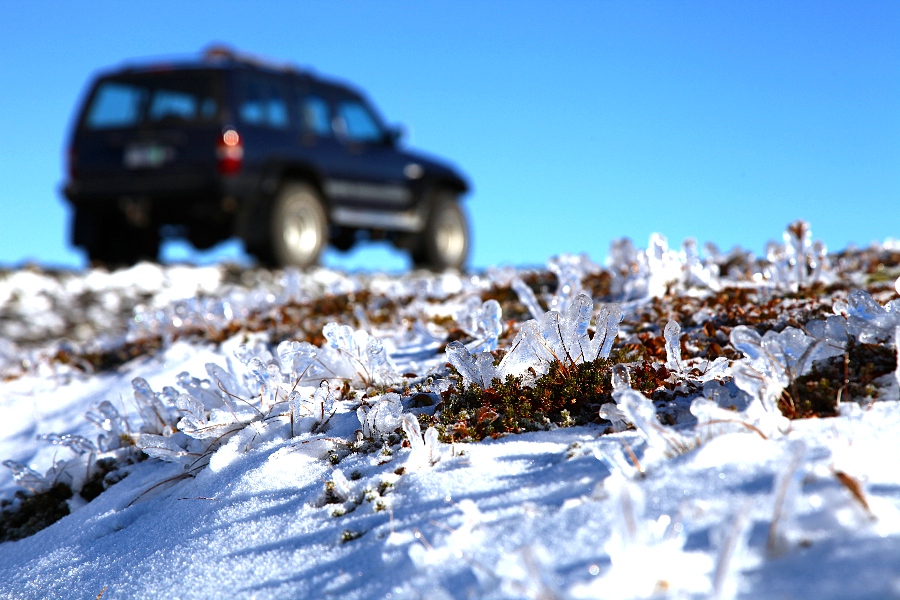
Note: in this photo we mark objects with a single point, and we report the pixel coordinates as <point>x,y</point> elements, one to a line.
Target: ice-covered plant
<point>866,320</point>
<point>639,411</point>
<point>798,262</point>
<point>424,450</point>
<point>555,337</point>
<point>676,365</point>
<point>647,556</point>
<point>380,416</point>
<point>481,321</point>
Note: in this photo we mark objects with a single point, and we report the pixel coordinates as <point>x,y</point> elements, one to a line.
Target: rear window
<point>152,99</point>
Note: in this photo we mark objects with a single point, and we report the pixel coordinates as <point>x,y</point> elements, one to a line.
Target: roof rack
<point>221,53</point>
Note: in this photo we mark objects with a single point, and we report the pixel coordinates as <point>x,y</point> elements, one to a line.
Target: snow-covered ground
<point>325,469</point>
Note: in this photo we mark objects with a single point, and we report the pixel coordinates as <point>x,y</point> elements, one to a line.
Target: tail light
<point>230,152</point>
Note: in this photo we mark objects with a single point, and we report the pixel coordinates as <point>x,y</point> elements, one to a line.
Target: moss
<point>850,376</point>
<point>566,395</point>
<point>33,512</point>
<point>348,535</point>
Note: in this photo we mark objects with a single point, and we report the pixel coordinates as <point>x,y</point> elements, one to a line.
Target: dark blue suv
<point>228,146</point>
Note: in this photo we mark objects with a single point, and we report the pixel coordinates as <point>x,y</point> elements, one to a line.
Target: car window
<point>150,98</point>
<point>116,105</point>
<point>356,124</point>
<point>167,104</point>
<point>264,104</point>
<point>315,116</point>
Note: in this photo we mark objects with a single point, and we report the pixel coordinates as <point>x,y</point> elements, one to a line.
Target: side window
<point>356,124</point>
<point>116,105</point>
<point>263,103</point>
<point>315,116</point>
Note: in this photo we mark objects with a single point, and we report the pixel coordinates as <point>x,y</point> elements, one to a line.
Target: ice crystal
<point>355,356</point>
<point>640,411</point>
<point>196,423</point>
<point>154,412</point>
<point>799,261</point>
<point>527,297</point>
<point>868,321</point>
<point>115,427</point>
<point>77,444</point>
<point>424,450</point>
<point>482,321</point>
<point>672,335</point>
<point>158,446</point>
<point>647,557</point>
<point>27,477</point>
<point>380,417</point>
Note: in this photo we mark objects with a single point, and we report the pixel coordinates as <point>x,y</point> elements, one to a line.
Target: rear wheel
<point>298,227</point>
<point>445,242</point>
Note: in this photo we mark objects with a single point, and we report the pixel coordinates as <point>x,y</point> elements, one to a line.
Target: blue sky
<point>577,122</point>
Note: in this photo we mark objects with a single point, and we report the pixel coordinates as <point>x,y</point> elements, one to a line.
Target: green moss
<point>850,376</point>
<point>566,395</point>
<point>33,512</point>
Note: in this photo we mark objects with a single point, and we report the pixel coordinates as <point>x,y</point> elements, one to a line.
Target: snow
<point>560,513</point>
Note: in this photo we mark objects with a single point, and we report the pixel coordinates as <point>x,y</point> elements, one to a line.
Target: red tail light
<point>230,152</point>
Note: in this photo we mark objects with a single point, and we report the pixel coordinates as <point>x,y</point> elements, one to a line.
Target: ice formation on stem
<point>380,417</point>
<point>638,410</point>
<point>647,555</point>
<point>676,364</point>
<point>424,450</point>
<point>554,337</point>
<point>866,320</point>
<point>799,261</point>
<point>482,321</point>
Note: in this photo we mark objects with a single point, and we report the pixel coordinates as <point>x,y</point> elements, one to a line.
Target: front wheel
<point>299,226</point>
<point>445,242</point>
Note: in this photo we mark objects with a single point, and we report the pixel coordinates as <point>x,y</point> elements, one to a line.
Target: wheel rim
<point>300,229</point>
<point>450,237</point>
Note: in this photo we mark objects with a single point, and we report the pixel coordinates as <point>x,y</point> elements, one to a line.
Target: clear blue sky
<point>577,122</point>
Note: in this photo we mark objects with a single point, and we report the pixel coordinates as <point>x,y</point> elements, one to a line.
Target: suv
<point>228,146</point>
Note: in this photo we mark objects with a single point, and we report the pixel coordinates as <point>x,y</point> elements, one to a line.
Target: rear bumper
<point>173,199</point>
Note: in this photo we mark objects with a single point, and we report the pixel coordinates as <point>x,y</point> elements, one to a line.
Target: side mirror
<point>394,134</point>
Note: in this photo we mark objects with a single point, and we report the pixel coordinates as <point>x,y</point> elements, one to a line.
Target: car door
<point>370,172</point>
<point>264,122</point>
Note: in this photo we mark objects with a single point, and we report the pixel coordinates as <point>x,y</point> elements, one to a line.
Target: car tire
<point>444,244</point>
<point>298,226</point>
